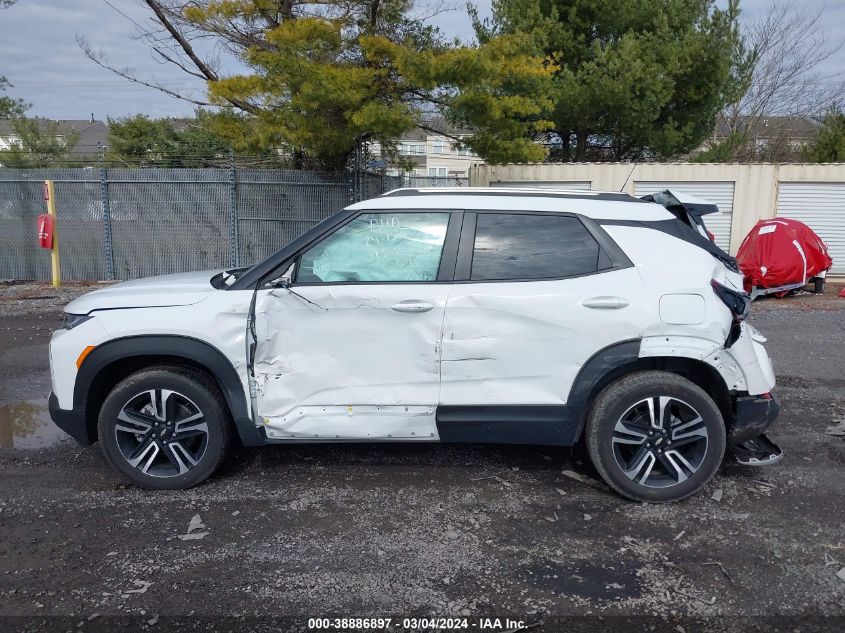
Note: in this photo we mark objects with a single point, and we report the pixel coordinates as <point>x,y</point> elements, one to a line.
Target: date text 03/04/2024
<point>416,624</point>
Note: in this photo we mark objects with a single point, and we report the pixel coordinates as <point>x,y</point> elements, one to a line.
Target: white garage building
<point>745,193</point>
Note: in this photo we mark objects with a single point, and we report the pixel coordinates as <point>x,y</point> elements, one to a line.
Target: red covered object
<point>780,252</point>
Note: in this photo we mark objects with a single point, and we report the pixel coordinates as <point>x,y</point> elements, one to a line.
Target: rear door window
<point>524,246</point>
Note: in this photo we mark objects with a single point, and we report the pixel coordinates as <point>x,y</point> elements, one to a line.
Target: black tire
<point>180,407</point>
<point>613,440</point>
<point>818,285</point>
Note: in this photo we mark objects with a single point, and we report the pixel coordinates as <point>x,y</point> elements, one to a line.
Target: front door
<point>351,349</point>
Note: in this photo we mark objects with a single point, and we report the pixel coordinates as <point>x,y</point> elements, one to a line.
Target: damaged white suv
<point>435,315</point>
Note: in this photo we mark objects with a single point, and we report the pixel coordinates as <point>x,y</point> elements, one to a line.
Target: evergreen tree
<point>139,140</point>
<point>322,78</point>
<point>829,146</point>
<point>633,78</point>
<point>38,143</point>
<point>10,108</point>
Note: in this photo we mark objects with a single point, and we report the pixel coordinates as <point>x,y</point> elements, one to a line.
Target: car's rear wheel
<point>655,436</point>
<point>165,428</point>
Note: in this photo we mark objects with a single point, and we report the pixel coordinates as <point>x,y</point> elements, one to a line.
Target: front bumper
<point>71,422</point>
<point>758,451</point>
<point>752,416</point>
<point>746,435</point>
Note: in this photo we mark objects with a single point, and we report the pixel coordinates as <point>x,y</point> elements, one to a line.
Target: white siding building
<point>431,154</point>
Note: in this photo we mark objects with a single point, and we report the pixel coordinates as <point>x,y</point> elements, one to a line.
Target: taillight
<point>738,303</point>
<point>711,236</point>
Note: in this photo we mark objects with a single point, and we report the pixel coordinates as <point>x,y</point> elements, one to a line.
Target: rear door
<point>351,350</point>
<point>535,296</point>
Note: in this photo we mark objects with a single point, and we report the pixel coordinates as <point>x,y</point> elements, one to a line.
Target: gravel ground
<point>419,530</point>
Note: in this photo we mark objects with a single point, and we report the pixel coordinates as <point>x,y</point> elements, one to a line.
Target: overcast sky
<point>39,55</point>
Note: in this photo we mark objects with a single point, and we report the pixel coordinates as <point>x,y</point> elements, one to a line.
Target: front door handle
<point>605,303</point>
<point>412,305</point>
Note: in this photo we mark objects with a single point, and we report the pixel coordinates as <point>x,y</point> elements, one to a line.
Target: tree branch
<point>203,70</point>
<point>451,137</point>
<point>207,72</point>
<point>374,7</point>
<point>97,58</point>
<point>177,63</point>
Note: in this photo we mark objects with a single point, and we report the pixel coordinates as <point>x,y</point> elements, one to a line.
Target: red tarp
<point>780,252</point>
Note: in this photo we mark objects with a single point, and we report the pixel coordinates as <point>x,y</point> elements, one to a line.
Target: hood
<point>181,289</point>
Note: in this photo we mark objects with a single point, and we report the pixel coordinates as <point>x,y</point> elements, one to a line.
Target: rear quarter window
<point>524,246</point>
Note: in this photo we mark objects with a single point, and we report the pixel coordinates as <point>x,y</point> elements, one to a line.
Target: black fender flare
<point>599,370</point>
<point>619,359</point>
<point>196,351</point>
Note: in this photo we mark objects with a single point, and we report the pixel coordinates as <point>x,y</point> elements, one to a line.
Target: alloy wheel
<point>161,433</point>
<point>660,442</point>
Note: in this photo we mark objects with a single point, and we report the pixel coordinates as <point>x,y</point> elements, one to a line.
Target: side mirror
<point>286,279</point>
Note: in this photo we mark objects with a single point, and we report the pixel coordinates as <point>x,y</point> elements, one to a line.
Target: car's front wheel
<point>165,428</point>
<point>655,436</point>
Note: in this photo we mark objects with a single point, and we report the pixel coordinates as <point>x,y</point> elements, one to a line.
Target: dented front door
<point>352,349</point>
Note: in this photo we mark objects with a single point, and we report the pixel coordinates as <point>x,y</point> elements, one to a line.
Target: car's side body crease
<point>536,424</point>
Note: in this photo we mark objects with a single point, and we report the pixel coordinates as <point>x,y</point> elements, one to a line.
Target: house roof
<point>439,125</point>
<point>791,127</point>
<point>92,132</point>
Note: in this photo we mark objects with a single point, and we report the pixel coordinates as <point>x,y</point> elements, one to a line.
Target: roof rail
<point>513,192</point>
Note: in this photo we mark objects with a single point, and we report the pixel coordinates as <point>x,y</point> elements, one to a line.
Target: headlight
<point>72,320</point>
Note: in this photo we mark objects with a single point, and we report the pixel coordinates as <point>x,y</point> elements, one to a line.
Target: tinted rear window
<point>523,246</point>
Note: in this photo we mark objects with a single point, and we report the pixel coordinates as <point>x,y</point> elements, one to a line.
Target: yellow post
<point>50,195</point>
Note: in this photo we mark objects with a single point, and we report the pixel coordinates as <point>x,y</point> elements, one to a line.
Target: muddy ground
<point>418,530</point>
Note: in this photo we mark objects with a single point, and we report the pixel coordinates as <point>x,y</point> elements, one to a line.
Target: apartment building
<point>429,153</point>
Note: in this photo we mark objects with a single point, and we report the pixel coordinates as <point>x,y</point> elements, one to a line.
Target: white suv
<point>426,315</point>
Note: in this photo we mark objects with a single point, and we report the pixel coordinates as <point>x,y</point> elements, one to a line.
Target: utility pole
<point>104,198</point>
<point>50,197</point>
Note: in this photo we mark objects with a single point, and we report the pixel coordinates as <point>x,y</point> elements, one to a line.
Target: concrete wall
<point>755,185</point>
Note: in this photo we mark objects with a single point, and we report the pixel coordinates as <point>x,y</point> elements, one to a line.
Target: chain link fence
<point>128,223</point>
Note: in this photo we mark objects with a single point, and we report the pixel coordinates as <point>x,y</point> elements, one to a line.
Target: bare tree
<point>157,32</point>
<point>199,52</point>
<point>788,80</point>
<point>214,45</point>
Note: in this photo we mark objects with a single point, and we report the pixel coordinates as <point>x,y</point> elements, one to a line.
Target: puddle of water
<point>28,425</point>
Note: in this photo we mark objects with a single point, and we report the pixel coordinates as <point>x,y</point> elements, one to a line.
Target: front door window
<point>378,247</point>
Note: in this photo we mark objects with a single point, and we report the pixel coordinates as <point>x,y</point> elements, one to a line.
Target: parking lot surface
<point>400,530</point>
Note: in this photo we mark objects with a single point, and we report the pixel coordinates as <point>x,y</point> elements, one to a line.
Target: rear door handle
<point>605,303</point>
<point>412,305</point>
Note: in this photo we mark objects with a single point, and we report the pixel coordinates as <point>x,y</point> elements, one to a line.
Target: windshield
<point>248,277</point>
